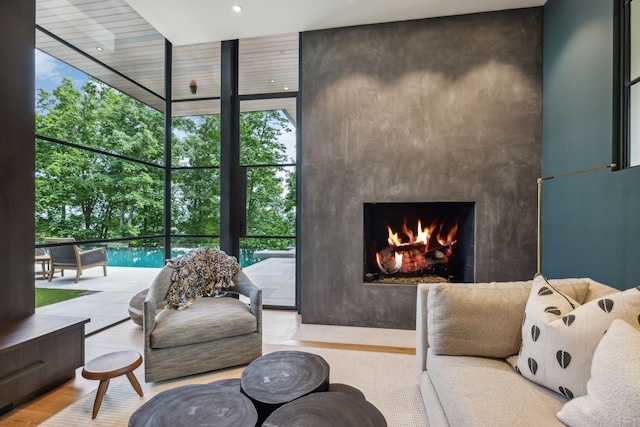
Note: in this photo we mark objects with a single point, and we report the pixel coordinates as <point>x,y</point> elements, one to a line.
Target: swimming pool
<point>154,257</point>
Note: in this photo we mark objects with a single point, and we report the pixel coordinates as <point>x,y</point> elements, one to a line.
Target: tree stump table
<point>109,366</point>
<point>219,404</point>
<point>329,409</point>
<point>277,378</point>
<point>345,388</point>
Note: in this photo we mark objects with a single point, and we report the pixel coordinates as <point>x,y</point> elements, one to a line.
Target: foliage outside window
<point>100,171</point>
<point>270,198</point>
<point>85,194</point>
<point>270,175</point>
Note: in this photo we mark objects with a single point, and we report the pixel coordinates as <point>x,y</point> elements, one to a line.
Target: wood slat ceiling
<point>132,47</point>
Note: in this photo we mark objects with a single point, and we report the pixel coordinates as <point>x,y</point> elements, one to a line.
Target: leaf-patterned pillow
<point>559,336</point>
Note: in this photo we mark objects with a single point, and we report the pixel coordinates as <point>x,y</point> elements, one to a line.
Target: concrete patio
<point>109,304</point>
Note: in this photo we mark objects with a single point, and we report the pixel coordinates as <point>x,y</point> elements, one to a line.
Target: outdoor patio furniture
<point>42,258</point>
<point>63,257</point>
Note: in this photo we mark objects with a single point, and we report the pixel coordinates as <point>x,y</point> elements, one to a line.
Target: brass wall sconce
<point>193,86</point>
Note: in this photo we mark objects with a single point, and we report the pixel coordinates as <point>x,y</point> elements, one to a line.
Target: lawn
<point>46,296</point>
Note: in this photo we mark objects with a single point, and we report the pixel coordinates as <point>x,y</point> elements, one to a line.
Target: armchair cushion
<point>207,319</point>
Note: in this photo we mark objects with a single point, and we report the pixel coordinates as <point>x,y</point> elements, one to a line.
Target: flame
<point>447,240</point>
<point>422,236</point>
<point>420,240</point>
<point>393,238</point>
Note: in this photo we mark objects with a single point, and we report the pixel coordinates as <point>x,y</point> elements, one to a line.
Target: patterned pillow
<point>559,336</point>
<point>614,386</point>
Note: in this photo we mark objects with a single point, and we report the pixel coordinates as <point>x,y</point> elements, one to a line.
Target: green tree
<point>269,188</point>
<point>87,195</point>
<point>91,196</point>
<point>196,192</point>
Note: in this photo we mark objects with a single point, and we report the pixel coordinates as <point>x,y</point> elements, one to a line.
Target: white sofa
<point>464,333</point>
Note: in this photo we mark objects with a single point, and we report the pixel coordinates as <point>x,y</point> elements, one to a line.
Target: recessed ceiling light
<point>272,81</point>
<point>99,49</point>
<point>286,88</point>
<point>237,8</point>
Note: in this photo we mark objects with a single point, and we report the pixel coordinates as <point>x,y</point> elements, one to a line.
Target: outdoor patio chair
<point>63,257</point>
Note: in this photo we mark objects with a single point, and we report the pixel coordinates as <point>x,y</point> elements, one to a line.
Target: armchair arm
<point>247,288</point>
<point>93,256</point>
<point>149,314</point>
<point>156,294</point>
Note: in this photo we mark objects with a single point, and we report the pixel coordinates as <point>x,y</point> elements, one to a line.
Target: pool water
<point>154,257</point>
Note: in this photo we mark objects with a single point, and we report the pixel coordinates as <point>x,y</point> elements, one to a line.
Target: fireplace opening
<point>419,242</point>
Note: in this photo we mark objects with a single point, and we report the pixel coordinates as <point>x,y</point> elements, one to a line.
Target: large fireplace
<point>419,242</point>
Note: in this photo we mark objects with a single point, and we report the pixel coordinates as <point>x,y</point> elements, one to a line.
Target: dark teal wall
<point>591,221</point>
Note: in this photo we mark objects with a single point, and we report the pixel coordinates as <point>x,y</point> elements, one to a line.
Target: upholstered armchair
<point>70,257</point>
<point>212,333</point>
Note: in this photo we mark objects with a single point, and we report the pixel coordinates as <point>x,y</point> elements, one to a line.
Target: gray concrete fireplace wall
<point>445,109</point>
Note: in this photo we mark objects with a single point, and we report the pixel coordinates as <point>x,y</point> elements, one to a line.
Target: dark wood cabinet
<point>38,353</point>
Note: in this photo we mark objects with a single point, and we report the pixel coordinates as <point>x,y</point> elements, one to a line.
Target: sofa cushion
<point>559,335</point>
<point>613,391</point>
<point>207,319</point>
<point>479,391</point>
<point>483,319</point>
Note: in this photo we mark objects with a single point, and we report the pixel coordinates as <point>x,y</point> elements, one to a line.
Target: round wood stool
<point>109,366</point>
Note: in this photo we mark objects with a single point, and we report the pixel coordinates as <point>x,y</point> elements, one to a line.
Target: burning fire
<point>419,251</point>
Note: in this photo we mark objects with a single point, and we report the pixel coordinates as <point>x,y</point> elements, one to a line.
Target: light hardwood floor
<point>279,327</point>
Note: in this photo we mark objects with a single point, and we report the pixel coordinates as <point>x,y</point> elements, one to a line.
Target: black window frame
<point>623,82</point>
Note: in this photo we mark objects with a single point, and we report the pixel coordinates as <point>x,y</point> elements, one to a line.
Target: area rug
<point>387,380</point>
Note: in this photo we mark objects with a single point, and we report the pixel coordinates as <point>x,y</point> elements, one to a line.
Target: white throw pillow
<point>559,336</point>
<point>613,392</point>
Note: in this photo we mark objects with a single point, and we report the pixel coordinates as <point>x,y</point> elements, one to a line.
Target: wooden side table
<point>109,366</point>
<point>43,260</point>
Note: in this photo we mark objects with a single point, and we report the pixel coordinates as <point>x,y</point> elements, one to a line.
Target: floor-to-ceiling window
<point>102,166</point>
<point>99,150</point>
<point>268,85</point>
<point>195,146</point>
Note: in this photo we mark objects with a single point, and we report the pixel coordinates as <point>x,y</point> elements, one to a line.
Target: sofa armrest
<point>422,332</point>
<point>247,288</point>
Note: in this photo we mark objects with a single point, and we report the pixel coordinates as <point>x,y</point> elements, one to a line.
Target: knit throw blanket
<point>199,273</point>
